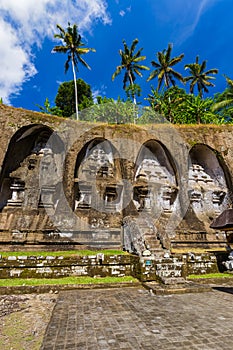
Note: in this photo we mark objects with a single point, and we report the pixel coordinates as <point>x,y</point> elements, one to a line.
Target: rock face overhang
<point>224,221</point>
<point>166,158</point>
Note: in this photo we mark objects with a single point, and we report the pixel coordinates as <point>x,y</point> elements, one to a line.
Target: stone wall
<point>64,182</point>
<point>99,265</point>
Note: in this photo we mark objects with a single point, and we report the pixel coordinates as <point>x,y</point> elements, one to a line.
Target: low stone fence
<point>144,268</point>
<point>53,267</point>
<point>177,266</point>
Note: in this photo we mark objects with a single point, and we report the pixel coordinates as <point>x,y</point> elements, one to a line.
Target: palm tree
<point>225,99</point>
<point>74,48</point>
<point>130,63</point>
<point>199,76</point>
<point>163,68</point>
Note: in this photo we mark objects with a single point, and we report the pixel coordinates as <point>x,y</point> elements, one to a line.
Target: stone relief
<point>206,194</point>
<point>33,183</point>
<point>96,167</point>
<point>155,189</point>
<point>97,163</point>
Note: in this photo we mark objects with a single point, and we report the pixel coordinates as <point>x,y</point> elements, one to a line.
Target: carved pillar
<point>110,197</point>
<point>167,192</point>
<point>195,199</point>
<point>16,199</point>
<point>46,197</point>
<point>143,197</point>
<point>217,198</point>
<point>83,196</point>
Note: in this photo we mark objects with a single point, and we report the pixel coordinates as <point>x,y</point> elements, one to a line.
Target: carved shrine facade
<point>66,183</point>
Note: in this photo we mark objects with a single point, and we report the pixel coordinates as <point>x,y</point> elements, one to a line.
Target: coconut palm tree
<point>225,99</point>
<point>130,63</point>
<point>199,76</point>
<point>163,68</point>
<point>73,46</point>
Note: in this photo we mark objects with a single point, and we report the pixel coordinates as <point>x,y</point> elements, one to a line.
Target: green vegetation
<point>163,69</point>
<point>130,63</point>
<point>211,275</point>
<point>174,103</point>
<point>48,109</point>
<point>65,253</point>
<point>12,282</point>
<point>74,48</point>
<point>199,77</point>
<point>65,99</point>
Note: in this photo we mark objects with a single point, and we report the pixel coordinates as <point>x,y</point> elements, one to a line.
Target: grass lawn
<point>65,253</point>
<point>11,282</point>
<point>211,275</point>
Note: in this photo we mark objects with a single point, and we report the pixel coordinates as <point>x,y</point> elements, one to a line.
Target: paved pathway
<point>132,319</point>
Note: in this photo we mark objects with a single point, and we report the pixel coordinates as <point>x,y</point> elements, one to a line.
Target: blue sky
<point>30,72</point>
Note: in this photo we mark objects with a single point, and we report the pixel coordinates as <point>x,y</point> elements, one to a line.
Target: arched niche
<point>97,177</point>
<point>28,147</point>
<point>209,181</point>
<point>155,181</point>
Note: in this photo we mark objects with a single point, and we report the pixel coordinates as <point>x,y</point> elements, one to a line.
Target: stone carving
<point>17,196</point>
<point>206,194</point>
<point>168,196</point>
<point>90,189</point>
<point>41,143</point>
<point>142,198</point>
<point>155,188</point>
<point>97,163</point>
<point>112,197</point>
<point>229,263</point>
<point>83,196</point>
<point>46,197</point>
<point>133,237</point>
<point>26,195</point>
<point>99,223</point>
<point>33,183</point>
<point>150,170</point>
<point>140,235</point>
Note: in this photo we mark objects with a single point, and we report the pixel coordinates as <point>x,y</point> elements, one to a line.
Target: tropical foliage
<point>196,110</point>
<point>130,63</point>
<point>223,103</point>
<point>48,109</point>
<point>65,98</point>
<point>163,68</point>
<point>168,102</point>
<point>199,77</point>
<point>73,46</point>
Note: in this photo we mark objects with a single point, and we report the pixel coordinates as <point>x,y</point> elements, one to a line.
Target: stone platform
<point>134,318</point>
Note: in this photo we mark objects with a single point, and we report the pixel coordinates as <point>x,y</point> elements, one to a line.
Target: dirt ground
<point>23,320</point>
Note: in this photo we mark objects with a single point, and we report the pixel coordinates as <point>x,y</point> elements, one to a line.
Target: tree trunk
<point>134,98</point>
<point>132,83</point>
<point>75,90</point>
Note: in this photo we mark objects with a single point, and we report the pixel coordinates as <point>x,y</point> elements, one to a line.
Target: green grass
<point>211,275</point>
<point>65,280</point>
<point>65,253</point>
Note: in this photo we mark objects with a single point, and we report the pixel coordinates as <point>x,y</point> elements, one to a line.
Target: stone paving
<point>134,318</point>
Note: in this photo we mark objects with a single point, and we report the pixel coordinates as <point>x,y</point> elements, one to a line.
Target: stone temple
<point>68,185</point>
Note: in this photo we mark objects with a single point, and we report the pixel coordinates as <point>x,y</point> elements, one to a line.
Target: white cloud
<point>122,13</point>
<point>193,16</point>
<point>184,16</point>
<point>24,23</point>
<point>99,91</point>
